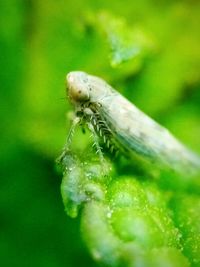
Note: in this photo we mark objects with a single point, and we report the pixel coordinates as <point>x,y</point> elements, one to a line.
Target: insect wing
<point>134,131</point>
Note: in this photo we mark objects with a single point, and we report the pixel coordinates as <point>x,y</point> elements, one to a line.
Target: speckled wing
<point>139,136</point>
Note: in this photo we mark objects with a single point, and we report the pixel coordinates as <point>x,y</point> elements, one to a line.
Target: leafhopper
<point>121,126</point>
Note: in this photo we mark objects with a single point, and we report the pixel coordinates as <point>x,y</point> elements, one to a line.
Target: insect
<point>120,125</point>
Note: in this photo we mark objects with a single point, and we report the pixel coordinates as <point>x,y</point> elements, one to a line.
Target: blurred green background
<point>148,50</point>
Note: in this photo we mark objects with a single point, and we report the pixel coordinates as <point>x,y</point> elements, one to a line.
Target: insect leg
<point>95,137</point>
<point>66,147</point>
<point>105,168</point>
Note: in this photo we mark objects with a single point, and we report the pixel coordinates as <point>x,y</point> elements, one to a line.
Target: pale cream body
<point>133,132</point>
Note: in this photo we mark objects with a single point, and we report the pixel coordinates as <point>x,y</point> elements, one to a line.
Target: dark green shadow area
<point>35,231</point>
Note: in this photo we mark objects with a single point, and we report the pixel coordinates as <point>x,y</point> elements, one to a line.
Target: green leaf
<point>186,214</point>
<point>123,220</point>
